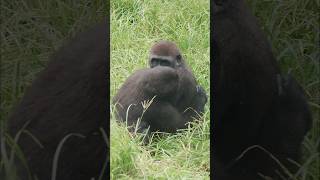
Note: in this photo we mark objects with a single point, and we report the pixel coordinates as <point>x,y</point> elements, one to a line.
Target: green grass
<point>293,30</point>
<point>135,26</point>
<point>181,156</point>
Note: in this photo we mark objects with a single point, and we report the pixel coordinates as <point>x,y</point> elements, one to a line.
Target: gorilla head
<point>165,53</point>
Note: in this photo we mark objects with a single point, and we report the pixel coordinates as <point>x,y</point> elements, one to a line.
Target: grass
<point>181,156</point>
<point>292,28</point>
<point>135,26</point>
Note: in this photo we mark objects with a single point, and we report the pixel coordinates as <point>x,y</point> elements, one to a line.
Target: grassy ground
<point>293,29</point>
<point>135,26</point>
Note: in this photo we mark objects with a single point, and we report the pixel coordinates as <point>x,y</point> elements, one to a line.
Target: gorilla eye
<point>154,62</point>
<point>159,62</point>
<point>165,63</point>
<point>179,57</point>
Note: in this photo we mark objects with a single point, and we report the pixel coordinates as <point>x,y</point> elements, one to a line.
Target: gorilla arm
<point>170,114</point>
<point>196,107</point>
<point>163,117</point>
<point>145,84</point>
<point>160,81</point>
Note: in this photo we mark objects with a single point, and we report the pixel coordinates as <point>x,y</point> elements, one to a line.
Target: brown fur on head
<point>165,53</point>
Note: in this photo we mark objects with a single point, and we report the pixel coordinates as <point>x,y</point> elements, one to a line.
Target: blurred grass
<point>135,26</point>
<point>293,30</point>
<point>30,32</point>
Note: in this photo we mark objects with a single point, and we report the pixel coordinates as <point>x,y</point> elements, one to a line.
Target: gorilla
<point>62,118</point>
<point>258,113</point>
<point>166,53</point>
<point>177,98</point>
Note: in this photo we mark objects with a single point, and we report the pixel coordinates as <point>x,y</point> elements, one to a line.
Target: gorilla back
<point>162,84</point>
<point>68,97</point>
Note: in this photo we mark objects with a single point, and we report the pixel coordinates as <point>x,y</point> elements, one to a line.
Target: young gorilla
<point>68,97</point>
<point>253,104</point>
<point>177,97</point>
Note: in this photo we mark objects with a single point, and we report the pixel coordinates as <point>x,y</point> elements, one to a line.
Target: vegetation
<point>135,26</point>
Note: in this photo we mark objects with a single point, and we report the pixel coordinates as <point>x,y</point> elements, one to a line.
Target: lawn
<point>135,26</point>
<point>293,30</point>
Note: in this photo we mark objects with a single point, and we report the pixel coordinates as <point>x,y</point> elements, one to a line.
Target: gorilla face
<point>164,61</point>
<point>165,53</point>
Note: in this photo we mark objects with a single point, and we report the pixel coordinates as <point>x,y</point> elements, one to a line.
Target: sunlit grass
<point>135,26</point>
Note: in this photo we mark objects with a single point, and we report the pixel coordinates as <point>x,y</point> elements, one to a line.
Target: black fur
<point>68,97</point>
<point>253,104</point>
